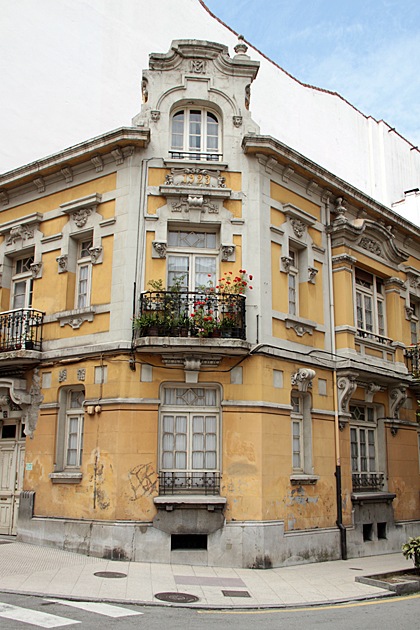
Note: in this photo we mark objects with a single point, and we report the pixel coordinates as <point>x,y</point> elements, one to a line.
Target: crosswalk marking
<point>34,617</point>
<point>98,608</point>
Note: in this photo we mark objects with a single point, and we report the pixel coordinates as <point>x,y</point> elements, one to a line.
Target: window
<point>301,432</point>
<point>293,282</point>
<point>189,439</point>
<point>414,323</point>
<point>22,283</point>
<point>84,274</point>
<point>363,439</point>
<point>297,432</point>
<point>74,428</point>
<point>193,258</point>
<point>195,135</point>
<point>69,440</point>
<point>370,305</point>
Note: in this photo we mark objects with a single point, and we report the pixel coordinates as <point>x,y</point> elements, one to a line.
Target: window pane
<point>19,294</point>
<point>205,271</point>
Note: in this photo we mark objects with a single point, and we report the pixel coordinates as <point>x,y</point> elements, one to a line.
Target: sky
<point>366,50</point>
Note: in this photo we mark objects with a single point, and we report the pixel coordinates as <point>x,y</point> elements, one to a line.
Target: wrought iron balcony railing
<point>194,155</point>
<point>368,482</point>
<point>21,329</point>
<point>412,359</point>
<point>366,334</point>
<point>178,482</point>
<point>190,314</point>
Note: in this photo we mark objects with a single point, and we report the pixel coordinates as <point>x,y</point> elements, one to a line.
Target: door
<point>12,456</point>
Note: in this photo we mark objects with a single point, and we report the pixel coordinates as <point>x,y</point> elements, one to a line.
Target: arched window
<point>195,135</point>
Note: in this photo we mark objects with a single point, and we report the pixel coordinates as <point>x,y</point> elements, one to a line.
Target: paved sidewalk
<point>50,572</point>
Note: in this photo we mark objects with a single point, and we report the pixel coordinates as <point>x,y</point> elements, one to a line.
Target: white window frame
<point>293,283</point>
<point>65,472</point>
<point>362,428</point>
<point>414,323</point>
<point>84,266</point>
<point>190,411</point>
<point>184,149</point>
<point>74,435</point>
<point>192,254</point>
<point>298,456</point>
<point>370,307</point>
<point>22,274</point>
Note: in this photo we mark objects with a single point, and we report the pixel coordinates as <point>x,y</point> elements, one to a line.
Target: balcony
<point>196,156</point>
<point>193,320</point>
<point>180,482</point>
<point>20,337</point>
<point>412,360</point>
<point>368,482</point>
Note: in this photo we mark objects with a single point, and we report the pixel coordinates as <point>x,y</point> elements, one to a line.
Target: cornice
<point>296,162</point>
<point>116,142</point>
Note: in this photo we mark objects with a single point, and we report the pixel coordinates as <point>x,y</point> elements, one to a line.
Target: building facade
<point>209,343</point>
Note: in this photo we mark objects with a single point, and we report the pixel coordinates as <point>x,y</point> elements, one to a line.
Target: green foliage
<point>411,549</point>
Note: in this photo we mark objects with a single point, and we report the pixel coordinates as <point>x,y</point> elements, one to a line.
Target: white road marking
<point>33,617</point>
<point>97,607</point>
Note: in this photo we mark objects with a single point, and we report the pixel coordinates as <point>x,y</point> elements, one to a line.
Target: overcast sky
<point>366,50</point>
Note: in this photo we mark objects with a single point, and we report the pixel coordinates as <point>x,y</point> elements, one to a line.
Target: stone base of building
<point>247,544</point>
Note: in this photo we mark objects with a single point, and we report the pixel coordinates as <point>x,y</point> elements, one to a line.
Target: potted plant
<point>411,549</point>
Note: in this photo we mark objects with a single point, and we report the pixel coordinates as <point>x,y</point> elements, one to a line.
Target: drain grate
<point>236,594</point>
<point>110,574</point>
<point>177,598</point>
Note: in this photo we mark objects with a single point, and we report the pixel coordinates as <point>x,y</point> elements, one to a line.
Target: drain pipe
<point>338,488</point>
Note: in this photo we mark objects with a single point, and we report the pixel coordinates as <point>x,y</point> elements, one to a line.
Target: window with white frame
<point>189,438</point>
<point>297,432</point>
<point>363,439</point>
<point>192,258</point>
<point>414,323</point>
<point>74,429</point>
<point>370,304</point>
<point>22,283</point>
<point>195,135</point>
<point>84,273</point>
<point>293,282</point>
<point>301,432</point>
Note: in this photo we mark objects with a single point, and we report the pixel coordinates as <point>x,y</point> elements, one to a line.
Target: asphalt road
<point>21,612</point>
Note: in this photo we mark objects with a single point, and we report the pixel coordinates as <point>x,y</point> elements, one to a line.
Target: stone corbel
<point>160,248</point>
<point>312,274</point>
<point>4,197</point>
<point>397,397</point>
<point>95,255</point>
<point>63,263</point>
<point>286,262</point>
<point>98,163</point>
<point>346,385</point>
<point>287,173</point>
<point>228,253</point>
<point>409,312</point>
<point>118,156</point>
<point>31,411</point>
<point>192,369</point>
<point>67,173</point>
<point>155,115</point>
<point>237,121</point>
<point>40,184</point>
<point>298,227</point>
<point>36,269</point>
<point>370,391</point>
<point>303,378</point>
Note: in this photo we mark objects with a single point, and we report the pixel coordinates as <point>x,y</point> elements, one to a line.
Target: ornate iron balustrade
<point>366,334</point>
<point>178,482</point>
<point>21,329</point>
<point>368,482</point>
<point>412,359</point>
<point>194,155</point>
<point>190,314</point>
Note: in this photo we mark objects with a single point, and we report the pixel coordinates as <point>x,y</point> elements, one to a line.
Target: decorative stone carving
<point>237,121</point>
<point>155,115</point>
<point>409,312</point>
<point>311,187</point>
<point>169,178</point>
<point>63,263</point>
<point>197,177</point>
<point>298,227</point>
<point>20,232</point>
<point>195,201</point>
<point>81,374</point>
<point>287,173</point>
<point>286,263</point>
<point>371,245</point>
<point>160,248</point>
<point>4,197</point>
<point>67,173</point>
<point>346,385</point>
<point>98,163</point>
<point>303,378</point>
<point>397,397</point>
<point>413,279</point>
<point>95,253</point>
<point>370,391</point>
<point>40,184</point>
<point>118,156</point>
<point>31,411</point>
<point>198,66</point>
<point>144,91</point>
<point>227,251</point>
<point>36,269</point>
<point>62,376</point>
<point>340,207</point>
<point>81,216</point>
<point>76,318</point>
<point>300,328</point>
<point>312,274</point>
<point>247,96</point>
<point>241,47</point>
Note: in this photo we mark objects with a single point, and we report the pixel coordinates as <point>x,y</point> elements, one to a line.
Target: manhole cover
<point>110,574</point>
<point>236,594</point>
<point>178,598</point>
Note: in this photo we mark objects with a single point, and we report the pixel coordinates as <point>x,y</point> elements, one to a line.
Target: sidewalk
<point>50,572</point>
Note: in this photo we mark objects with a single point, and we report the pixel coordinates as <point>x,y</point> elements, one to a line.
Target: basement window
<point>189,542</point>
<point>367,532</point>
<point>382,531</point>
